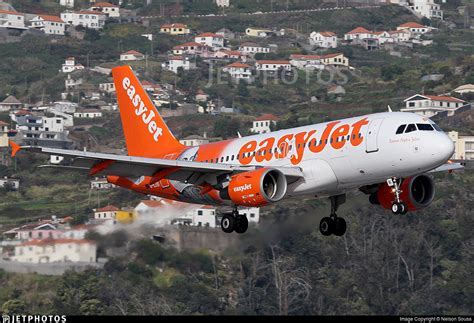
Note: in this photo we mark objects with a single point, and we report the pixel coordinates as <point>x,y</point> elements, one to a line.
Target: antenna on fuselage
<point>238,134</point>
<point>389,108</point>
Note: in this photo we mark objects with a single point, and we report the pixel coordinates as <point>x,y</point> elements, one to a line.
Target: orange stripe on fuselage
<point>212,150</point>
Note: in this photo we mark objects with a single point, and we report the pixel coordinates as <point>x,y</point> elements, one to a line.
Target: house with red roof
<point>106,7</point>
<point>239,71</point>
<point>87,18</point>
<point>210,39</point>
<point>4,127</point>
<point>273,65</point>
<point>51,25</point>
<point>323,39</point>
<point>132,55</point>
<point>415,28</point>
<point>264,123</point>
<point>12,19</point>
<point>175,29</point>
<point>108,212</point>
<point>319,61</point>
<point>70,65</point>
<point>430,105</point>
<point>190,48</point>
<point>357,33</point>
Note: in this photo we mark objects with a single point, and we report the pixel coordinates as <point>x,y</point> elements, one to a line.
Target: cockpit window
<point>424,127</point>
<point>436,127</point>
<point>400,129</point>
<point>410,128</point>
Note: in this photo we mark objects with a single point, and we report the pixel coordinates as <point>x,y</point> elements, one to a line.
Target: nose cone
<point>445,147</point>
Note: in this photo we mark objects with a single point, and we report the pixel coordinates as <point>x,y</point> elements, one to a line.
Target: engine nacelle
<point>256,188</point>
<point>417,192</point>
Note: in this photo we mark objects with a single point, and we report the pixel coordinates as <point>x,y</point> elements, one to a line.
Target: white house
<point>191,48</point>
<point>335,60</point>
<point>51,25</point>
<point>324,39</point>
<point>194,140</point>
<point>55,159</point>
<point>252,214</point>
<point>108,87</point>
<point>400,36</point>
<point>132,55</point>
<point>88,113</point>
<point>67,3</point>
<point>427,8</point>
<point>86,18</point>
<point>415,28</point>
<point>272,65</point>
<point>70,65</point>
<point>252,49</point>
<point>12,182</point>
<point>177,62</point>
<point>264,123</point>
<point>464,89</point>
<point>429,105</point>
<point>10,103</point>
<point>101,184</point>
<point>223,3</point>
<point>463,146</point>
<point>357,33</point>
<point>306,61</point>
<point>175,29</point>
<point>106,213</point>
<point>108,8</point>
<point>210,39</point>
<point>56,251</point>
<point>258,32</point>
<point>71,83</point>
<point>4,127</point>
<point>383,37</point>
<point>204,216</point>
<point>239,71</point>
<point>40,123</point>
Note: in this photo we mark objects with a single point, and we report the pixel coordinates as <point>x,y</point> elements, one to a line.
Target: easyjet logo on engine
<point>243,188</point>
<point>333,136</point>
<point>147,116</point>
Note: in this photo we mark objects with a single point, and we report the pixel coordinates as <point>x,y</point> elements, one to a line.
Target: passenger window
<point>222,159</point>
<point>232,157</point>
<point>400,129</point>
<point>227,159</point>
<point>410,128</point>
<point>424,127</point>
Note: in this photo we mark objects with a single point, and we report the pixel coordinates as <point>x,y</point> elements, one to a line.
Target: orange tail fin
<point>146,134</point>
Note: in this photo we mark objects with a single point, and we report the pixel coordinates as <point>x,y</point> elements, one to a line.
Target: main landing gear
<point>234,222</point>
<point>398,207</point>
<point>334,224</point>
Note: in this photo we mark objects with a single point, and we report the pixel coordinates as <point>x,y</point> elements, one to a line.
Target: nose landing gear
<point>333,224</point>
<point>234,222</point>
<point>398,207</point>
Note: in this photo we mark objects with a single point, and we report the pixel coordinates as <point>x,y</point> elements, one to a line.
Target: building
<point>201,96</point>
<point>132,55</point>
<point>101,184</point>
<point>253,48</point>
<point>13,183</point>
<point>4,127</point>
<point>10,104</point>
<point>226,33</point>
<point>125,216</point>
<point>427,8</point>
<point>210,39</point>
<point>464,89</point>
<point>335,60</point>
<point>190,48</point>
<point>306,61</point>
<point>67,3</point>
<point>400,36</point>
<point>357,33</point>
<point>108,87</point>
<point>223,3</point>
<point>252,214</point>
<point>463,146</point>
<point>70,65</point>
<point>110,9</point>
<point>88,113</point>
<point>56,251</point>
<point>86,18</point>
<point>272,65</point>
<point>70,83</point>
<point>204,216</point>
<point>175,29</point>
<point>239,71</point>
<point>429,105</point>
<point>258,32</point>
<point>264,123</point>
<point>383,37</point>
<point>178,62</point>
<point>12,19</point>
<point>41,130</point>
<point>106,213</point>
<point>51,25</point>
<point>148,207</point>
<point>415,28</point>
<point>323,39</point>
<point>194,140</point>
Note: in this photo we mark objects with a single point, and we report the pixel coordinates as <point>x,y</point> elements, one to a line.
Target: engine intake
<point>256,188</point>
<point>417,192</point>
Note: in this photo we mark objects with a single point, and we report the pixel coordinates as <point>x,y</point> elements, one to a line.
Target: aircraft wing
<point>449,166</point>
<point>192,172</point>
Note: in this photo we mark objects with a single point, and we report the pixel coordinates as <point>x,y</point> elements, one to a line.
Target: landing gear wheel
<point>241,224</point>
<point>326,226</point>
<point>404,208</point>
<point>398,208</point>
<point>228,223</point>
<point>339,227</point>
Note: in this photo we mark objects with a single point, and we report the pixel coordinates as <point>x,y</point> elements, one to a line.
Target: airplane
<point>388,156</point>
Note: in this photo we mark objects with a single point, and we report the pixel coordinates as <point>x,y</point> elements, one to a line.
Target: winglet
<point>15,147</point>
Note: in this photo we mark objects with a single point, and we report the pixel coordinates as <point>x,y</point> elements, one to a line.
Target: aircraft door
<point>372,134</point>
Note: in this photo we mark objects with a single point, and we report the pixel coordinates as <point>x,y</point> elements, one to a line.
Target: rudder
<point>146,134</point>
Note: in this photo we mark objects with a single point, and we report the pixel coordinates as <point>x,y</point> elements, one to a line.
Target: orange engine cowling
<point>417,192</point>
<point>256,188</point>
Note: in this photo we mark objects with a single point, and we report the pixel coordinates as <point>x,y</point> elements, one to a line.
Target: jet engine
<point>256,188</point>
<point>417,192</point>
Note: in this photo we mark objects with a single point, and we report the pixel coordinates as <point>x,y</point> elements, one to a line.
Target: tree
<point>242,89</point>
<point>14,306</point>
